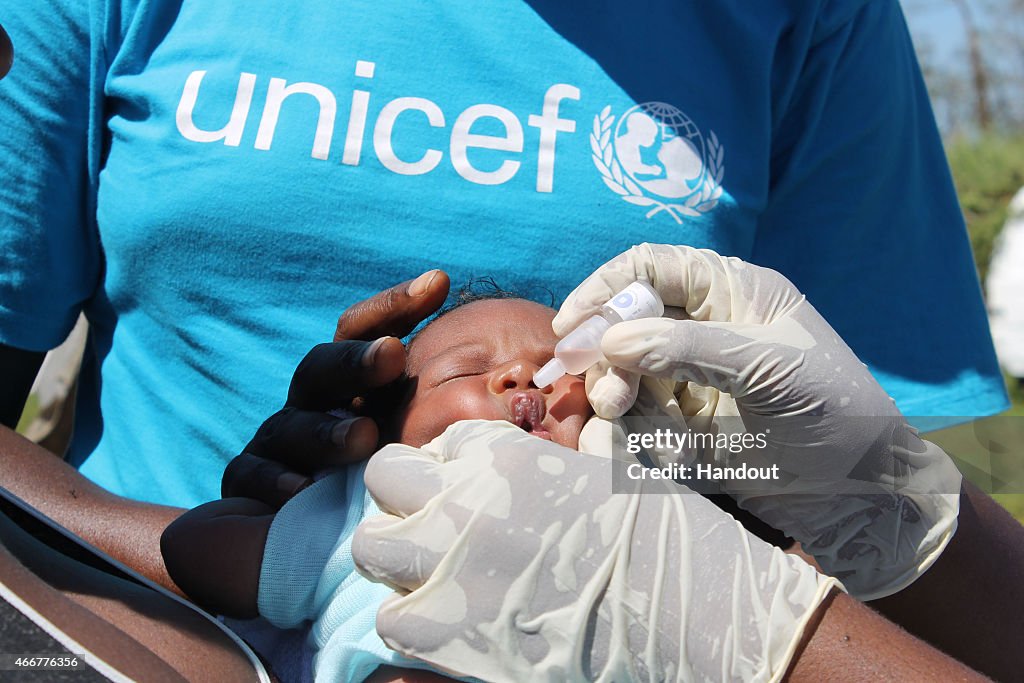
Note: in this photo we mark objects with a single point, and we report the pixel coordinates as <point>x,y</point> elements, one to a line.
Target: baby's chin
<point>564,433</point>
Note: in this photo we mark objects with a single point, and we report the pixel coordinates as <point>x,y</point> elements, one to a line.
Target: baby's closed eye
<point>454,375</point>
<point>460,368</point>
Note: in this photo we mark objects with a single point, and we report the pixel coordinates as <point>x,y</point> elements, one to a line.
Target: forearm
<point>968,603</point>
<point>849,642</point>
<point>127,530</point>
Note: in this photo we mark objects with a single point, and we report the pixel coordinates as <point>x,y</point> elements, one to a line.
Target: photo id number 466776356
<point>40,662</point>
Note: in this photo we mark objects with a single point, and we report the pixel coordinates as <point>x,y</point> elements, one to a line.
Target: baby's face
<point>478,361</point>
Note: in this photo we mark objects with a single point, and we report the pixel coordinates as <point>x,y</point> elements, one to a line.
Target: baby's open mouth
<point>527,413</point>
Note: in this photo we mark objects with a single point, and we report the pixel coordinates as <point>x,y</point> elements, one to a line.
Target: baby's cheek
<point>571,410</point>
<point>426,417</point>
<point>570,399</point>
<point>433,412</point>
<point>414,426</point>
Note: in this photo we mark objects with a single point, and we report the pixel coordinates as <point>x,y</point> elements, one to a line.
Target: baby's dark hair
<point>385,403</point>
<point>481,289</point>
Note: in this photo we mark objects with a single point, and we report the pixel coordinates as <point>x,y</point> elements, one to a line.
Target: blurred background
<point>972,57</point>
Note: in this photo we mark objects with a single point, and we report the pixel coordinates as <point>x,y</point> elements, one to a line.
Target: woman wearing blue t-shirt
<point>210,191</point>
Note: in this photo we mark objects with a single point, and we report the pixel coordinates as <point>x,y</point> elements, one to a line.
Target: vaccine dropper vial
<point>581,348</point>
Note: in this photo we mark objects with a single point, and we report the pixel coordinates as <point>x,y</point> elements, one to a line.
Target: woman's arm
<point>969,602</point>
<point>127,530</point>
<point>849,642</point>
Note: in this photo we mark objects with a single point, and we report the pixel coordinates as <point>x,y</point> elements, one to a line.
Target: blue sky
<point>938,23</point>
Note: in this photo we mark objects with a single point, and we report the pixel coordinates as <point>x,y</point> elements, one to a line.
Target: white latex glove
<point>523,565</point>
<point>872,502</point>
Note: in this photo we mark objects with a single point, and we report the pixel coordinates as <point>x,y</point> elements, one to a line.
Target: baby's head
<point>477,361</point>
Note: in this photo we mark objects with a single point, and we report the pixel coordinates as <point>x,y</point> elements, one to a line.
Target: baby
<point>239,558</point>
<point>477,361</point>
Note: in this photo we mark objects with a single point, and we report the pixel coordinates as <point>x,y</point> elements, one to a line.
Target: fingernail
<point>420,284</point>
<point>370,355</point>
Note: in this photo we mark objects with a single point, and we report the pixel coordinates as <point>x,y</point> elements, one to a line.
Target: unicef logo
<point>623,300</point>
<point>656,156</point>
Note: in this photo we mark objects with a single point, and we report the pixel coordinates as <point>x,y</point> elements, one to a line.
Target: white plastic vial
<point>581,348</point>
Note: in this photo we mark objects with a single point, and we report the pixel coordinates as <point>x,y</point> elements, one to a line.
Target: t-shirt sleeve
<point>864,219</point>
<point>49,251</point>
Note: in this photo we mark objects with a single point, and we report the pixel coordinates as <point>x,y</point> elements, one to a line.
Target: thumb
<point>730,357</point>
<point>402,479</point>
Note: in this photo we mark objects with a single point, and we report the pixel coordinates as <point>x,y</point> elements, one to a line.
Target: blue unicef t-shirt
<point>214,182</point>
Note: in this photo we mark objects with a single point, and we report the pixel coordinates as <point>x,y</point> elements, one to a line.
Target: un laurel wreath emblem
<point>656,156</point>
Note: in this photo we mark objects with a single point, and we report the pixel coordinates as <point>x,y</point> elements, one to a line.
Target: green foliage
<point>1016,392</point>
<point>987,171</point>
<point>1013,502</point>
<point>28,414</point>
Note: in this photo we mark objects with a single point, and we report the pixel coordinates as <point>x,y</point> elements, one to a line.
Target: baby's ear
<point>386,406</point>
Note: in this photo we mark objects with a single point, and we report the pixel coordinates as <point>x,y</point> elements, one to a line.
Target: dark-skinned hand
<point>366,356</point>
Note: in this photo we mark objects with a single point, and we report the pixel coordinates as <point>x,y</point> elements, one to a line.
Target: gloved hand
<point>872,502</point>
<point>523,564</point>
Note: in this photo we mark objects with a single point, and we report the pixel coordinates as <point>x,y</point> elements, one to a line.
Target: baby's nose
<point>514,375</point>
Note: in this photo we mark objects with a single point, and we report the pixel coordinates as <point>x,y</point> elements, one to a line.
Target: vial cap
<point>549,374</point>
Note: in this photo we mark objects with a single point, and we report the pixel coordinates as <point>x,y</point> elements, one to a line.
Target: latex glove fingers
<point>704,284</point>
<point>602,437</point>
<point>398,552</point>
<point>610,389</point>
<point>613,391</point>
<point>795,365</point>
<point>401,480</point>
<point>719,355</point>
